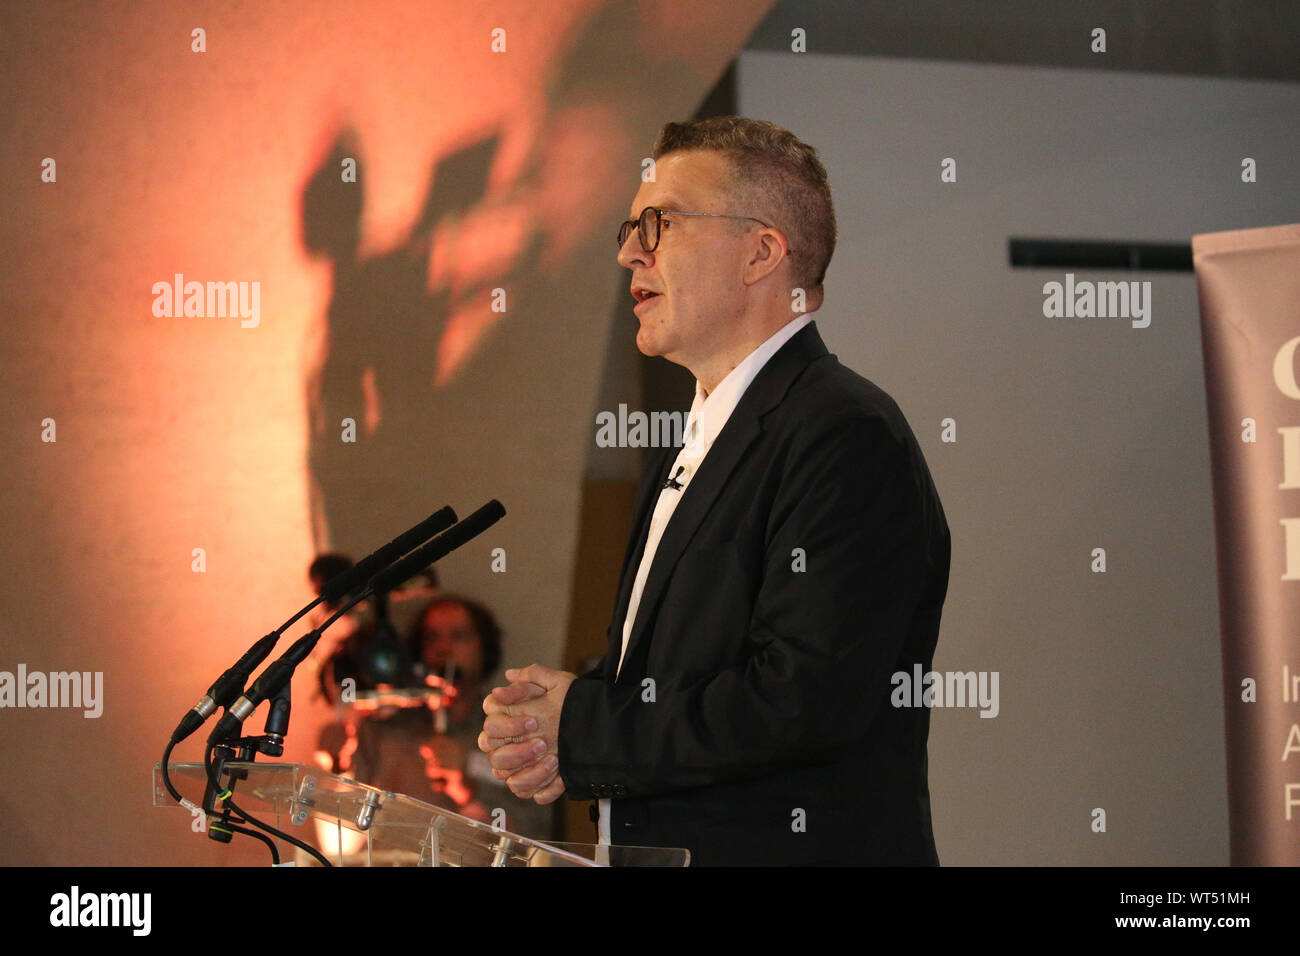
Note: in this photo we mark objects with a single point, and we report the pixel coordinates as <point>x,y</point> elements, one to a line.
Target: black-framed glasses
<point>648,223</point>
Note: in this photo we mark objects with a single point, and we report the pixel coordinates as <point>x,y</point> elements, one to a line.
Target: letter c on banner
<point>1284,369</point>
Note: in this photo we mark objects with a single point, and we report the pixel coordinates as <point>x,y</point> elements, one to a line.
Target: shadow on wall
<point>408,329</point>
<point>393,336</point>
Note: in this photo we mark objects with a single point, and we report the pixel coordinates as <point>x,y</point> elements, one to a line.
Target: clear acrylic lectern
<point>353,824</point>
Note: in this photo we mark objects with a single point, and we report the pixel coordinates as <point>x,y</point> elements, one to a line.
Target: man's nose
<point>632,253</point>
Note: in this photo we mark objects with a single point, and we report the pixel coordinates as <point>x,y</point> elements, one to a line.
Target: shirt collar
<point>711,414</point>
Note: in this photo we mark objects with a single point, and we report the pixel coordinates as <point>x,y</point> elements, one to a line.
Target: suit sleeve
<point>824,640</point>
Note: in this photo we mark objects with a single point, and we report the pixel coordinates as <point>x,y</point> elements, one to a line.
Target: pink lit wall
<point>477,171</point>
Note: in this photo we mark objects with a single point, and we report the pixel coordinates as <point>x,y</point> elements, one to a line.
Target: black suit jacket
<point>806,563</point>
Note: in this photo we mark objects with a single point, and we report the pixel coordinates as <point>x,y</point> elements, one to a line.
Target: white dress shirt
<point>705,423</point>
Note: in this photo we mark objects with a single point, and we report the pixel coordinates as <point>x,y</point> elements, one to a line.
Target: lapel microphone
<point>672,482</point>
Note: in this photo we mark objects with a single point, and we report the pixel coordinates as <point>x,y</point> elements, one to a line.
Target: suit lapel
<point>765,392</point>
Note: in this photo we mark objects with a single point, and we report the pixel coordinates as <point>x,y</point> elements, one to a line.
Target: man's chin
<point>652,346</point>
<point>647,345</point>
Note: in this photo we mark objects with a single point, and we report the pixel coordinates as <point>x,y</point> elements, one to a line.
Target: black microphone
<point>225,687</point>
<point>341,585</point>
<point>230,685</point>
<point>272,680</point>
<point>439,547</point>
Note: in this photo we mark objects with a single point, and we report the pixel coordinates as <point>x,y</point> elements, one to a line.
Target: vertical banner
<point>1249,287</point>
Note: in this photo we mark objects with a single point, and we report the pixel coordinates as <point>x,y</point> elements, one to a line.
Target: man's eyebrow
<point>667,202</point>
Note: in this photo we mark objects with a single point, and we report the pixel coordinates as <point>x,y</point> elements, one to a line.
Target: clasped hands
<point>521,732</point>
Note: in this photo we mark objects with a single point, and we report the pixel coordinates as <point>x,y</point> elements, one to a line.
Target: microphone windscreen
<point>341,585</point>
<point>439,547</point>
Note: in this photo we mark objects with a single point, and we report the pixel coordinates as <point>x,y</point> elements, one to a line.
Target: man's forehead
<point>663,201</point>
<point>683,180</point>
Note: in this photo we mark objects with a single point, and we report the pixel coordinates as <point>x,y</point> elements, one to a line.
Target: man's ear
<point>770,251</point>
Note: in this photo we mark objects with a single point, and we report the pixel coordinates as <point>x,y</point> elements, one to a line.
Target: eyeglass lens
<point>647,226</point>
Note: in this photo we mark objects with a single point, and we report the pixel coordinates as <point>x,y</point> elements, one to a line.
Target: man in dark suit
<point>785,562</point>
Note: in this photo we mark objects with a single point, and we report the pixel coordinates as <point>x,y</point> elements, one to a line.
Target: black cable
<point>235,828</point>
<point>167,777</point>
<point>225,795</point>
<point>232,826</point>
